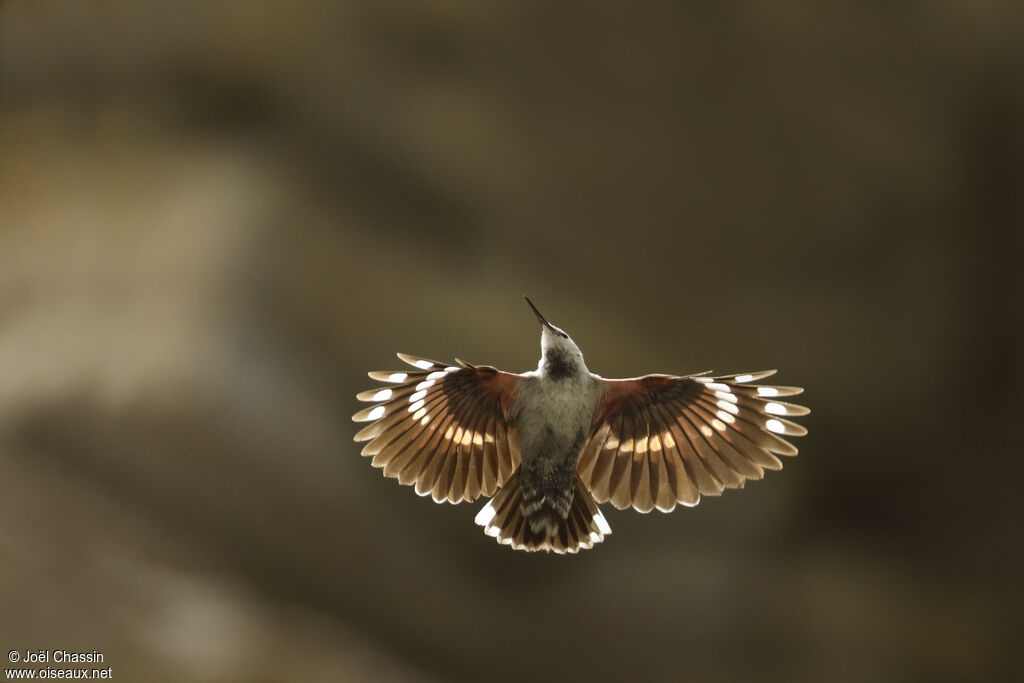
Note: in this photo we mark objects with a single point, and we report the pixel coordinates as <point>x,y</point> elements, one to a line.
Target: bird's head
<point>560,357</point>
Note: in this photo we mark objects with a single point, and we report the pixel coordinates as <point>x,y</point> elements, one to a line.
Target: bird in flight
<point>547,446</point>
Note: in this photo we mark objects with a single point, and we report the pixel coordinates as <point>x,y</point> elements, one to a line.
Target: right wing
<point>659,440</point>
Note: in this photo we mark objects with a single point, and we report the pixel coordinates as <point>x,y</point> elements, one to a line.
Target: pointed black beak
<point>543,322</point>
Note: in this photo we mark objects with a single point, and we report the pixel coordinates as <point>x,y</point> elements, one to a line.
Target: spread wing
<point>660,440</point>
<point>442,428</point>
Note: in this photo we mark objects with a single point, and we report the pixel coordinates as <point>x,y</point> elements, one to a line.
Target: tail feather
<point>504,519</point>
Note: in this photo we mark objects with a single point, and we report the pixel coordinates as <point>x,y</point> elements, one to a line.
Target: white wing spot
<point>595,537</point>
<point>726,417</point>
<point>744,378</point>
<point>376,413</point>
<point>423,364</point>
<point>424,385</point>
<point>452,368</point>
<point>396,377</point>
<point>484,517</point>
<point>419,395</point>
<point>382,395</point>
<point>726,396</point>
<point>718,424</point>
<point>493,532</point>
<point>767,391</point>
<point>718,386</point>
<point>478,440</point>
<point>415,406</point>
<point>602,524</point>
<point>703,380</point>
<point>419,413</point>
<point>666,438</point>
<point>728,407</point>
<point>775,408</point>
<point>775,426</point>
<point>425,421</point>
<point>706,431</point>
<point>436,375</point>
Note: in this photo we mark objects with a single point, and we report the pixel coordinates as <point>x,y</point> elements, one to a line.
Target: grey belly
<point>549,460</point>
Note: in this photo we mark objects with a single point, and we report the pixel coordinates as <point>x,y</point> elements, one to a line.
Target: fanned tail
<point>503,519</point>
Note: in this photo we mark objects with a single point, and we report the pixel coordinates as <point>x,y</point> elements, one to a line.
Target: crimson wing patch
<point>660,440</point>
<point>442,428</point>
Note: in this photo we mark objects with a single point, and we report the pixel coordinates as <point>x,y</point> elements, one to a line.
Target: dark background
<point>216,217</point>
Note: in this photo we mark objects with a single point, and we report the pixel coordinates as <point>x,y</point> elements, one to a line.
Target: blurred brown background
<point>216,217</point>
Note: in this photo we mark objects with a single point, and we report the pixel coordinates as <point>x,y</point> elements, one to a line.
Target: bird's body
<point>553,442</point>
<point>552,415</point>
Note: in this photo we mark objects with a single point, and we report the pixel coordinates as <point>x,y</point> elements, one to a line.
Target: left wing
<point>442,428</point>
<point>659,440</point>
